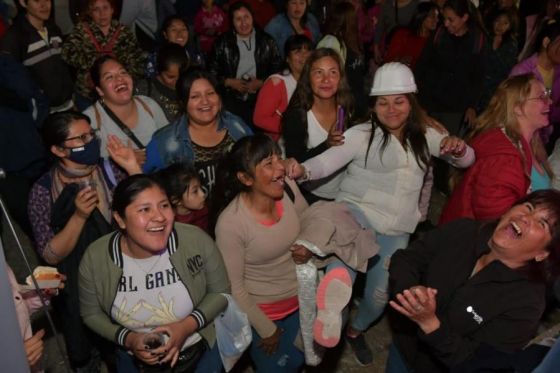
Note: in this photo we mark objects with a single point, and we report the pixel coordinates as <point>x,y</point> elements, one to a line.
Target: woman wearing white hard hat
<point>387,159</point>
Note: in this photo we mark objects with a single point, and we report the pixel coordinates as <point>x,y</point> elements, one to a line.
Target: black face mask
<point>88,154</point>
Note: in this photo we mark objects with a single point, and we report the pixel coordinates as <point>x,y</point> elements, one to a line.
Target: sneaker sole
<point>333,294</point>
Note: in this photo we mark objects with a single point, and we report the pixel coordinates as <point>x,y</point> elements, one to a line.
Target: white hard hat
<point>393,78</point>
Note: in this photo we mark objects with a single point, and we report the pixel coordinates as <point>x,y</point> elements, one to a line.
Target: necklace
<point>136,261</point>
<point>248,45</point>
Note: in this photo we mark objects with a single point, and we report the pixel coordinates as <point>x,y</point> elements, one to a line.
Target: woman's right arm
<point>53,248</point>
<point>232,247</point>
<point>336,157</point>
<point>267,109</point>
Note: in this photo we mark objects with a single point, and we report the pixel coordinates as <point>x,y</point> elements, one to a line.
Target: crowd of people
<point>182,163</point>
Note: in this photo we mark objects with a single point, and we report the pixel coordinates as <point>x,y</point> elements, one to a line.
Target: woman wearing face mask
<point>242,59</point>
<point>99,34</point>
<point>133,119</point>
<point>277,90</point>
<point>171,60</point>
<point>69,207</point>
<point>386,161</point>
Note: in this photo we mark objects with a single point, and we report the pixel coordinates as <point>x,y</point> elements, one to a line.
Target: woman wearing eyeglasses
<point>510,157</point>
<point>545,64</point>
<point>69,209</point>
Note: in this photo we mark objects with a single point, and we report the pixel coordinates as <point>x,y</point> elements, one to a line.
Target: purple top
<point>40,205</point>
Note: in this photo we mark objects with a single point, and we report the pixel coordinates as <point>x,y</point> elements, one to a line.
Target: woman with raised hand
<point>69,207</point>
<point>386,161</point>
<point>257,225</point>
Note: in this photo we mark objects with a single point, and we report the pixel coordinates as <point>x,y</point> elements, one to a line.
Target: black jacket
<point>43,59</point>
<point>497,307</point>
<point>224,58</point>
<point>450,71</point>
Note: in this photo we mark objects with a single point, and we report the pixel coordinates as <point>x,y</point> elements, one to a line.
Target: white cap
<point>393,78</point>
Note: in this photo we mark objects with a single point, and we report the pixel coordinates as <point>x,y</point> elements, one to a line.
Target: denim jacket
<point>172,143</point>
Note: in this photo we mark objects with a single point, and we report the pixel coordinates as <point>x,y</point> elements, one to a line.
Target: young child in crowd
<point>210,21</point>
<point>182,185</point>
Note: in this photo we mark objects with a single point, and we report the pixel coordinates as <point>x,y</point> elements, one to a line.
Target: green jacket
<point>194,256</point>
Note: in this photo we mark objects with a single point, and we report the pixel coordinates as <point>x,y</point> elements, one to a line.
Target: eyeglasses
<point>85,137</point>
<point>544,97</point>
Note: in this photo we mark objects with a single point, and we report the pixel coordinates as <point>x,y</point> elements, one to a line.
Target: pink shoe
<point>333,294</point>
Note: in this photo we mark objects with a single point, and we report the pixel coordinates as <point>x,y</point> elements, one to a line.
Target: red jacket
<point>497,179</point>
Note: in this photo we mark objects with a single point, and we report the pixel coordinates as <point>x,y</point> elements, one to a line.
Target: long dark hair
<point>422,12</point>
<point>462,7</point>
<point>342,24</point>
<point>303,19</point>
<point>243,157</point>
<point>303,95</point>
<point>413,133</point>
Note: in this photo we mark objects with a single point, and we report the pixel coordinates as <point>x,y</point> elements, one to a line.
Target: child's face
<point>501,25</point>
<point>38,9</point>
<point>194,196</point>
<point>177,33</point>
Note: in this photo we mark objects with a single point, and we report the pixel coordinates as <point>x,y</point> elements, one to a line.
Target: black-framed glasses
<point>84,137</point>
<point>544,97</point>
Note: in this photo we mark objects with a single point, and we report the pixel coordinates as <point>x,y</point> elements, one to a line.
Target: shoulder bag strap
<point>122,126</point>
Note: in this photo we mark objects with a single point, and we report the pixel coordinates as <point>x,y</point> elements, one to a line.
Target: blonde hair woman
<point>510,158</point>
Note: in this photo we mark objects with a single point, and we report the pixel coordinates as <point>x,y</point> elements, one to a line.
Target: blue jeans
<point>395,361</point>
<point>287,358</point>
<point>551,361</point>
<point>377,277</point>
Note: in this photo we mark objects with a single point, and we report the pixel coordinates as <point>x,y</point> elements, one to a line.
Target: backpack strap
<point>97,116</point>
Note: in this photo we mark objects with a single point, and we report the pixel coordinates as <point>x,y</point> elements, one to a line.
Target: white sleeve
<point>336,157</point>
<point>434,139</point>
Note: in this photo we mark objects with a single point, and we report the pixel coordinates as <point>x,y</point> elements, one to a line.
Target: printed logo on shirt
<point>151,281</point>
<point>195,264</point>
<point>475,315</point>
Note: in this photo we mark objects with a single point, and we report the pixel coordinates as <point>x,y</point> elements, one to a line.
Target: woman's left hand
<point>300,254</point>
<point>418,304</point>
<point>123,155</point>
<point>254,85</point>
<point>453,145</point>
<point>178,332</point>
<point>470,117</point>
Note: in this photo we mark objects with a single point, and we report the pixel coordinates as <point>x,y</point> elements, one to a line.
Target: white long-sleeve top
<point>387,187</point>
